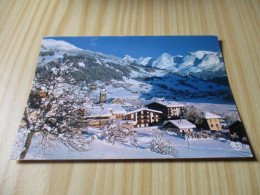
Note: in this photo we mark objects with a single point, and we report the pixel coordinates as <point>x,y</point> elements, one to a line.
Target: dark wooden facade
<point>238,128</point>
<point>144,117</point>
<point>168,111</point>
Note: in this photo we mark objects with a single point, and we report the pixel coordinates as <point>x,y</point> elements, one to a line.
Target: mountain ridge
<point>204,65</point>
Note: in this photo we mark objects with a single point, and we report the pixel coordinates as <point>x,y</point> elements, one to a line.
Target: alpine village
<point>164,115</point>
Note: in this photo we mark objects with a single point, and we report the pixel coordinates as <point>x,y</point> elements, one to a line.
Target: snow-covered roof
<point>209,115</point>
<point>143,109</point>
<point>59,45</point>
<point>181,123</point>
<point>167,103</point>
<point>97,111</point>
<point>115,108</point>
<point>107,110</point>
<point>239,121</point>
<point>110,100</point>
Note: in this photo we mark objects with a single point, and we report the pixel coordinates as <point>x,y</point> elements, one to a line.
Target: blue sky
<point>144,46</point>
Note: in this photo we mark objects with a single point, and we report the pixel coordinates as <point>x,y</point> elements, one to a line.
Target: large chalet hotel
<point>155,112</point>
<point>143,117</point>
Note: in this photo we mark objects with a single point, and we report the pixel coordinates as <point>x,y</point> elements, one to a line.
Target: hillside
<point>198,75</point>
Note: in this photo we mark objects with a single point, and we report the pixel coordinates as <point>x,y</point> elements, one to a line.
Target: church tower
<point>103,95</point>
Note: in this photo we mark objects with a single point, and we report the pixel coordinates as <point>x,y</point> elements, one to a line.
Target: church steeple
<point>103,95</point>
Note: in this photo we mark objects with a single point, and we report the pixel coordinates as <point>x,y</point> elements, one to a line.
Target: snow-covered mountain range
<point>201,64</point>
<point>199,74</point>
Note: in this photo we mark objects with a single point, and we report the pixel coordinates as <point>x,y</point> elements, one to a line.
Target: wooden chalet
<point>116,110</point>
<point>179,125</point>
<point>170,109</point>
<point>101,115</point>
<point>144,117</point>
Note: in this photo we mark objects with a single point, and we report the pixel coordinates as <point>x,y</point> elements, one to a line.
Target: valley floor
<point>213,105</point>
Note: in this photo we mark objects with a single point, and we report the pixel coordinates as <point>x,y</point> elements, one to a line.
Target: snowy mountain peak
<point>129,58</point>
<point>55,45</point>
<point>201,64</point>
<point>140,61</point>
<point>144,61</point>
<point>165,61</point>
<point>165,56</point>
<point>200,54</point>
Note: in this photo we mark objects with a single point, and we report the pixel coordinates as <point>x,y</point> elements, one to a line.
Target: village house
<point>237,128</point>
<point>98,116</point>
<point>144,117</point>
<point>211,121</point>
<point>118,84</point>
<point>179,125</point>
<point>115,101</point>
<point>104,113</point>
<point>170,109</point>
<point>116,110</point>
<point>93,87</point>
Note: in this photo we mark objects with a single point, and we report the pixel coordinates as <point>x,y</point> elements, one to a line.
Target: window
<point>132,116</point>
<point>217,125</point>
<point>211,125</point>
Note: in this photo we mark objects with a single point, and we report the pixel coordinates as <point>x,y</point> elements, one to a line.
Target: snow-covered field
<point>101,149</point>
<point>214,105</point>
